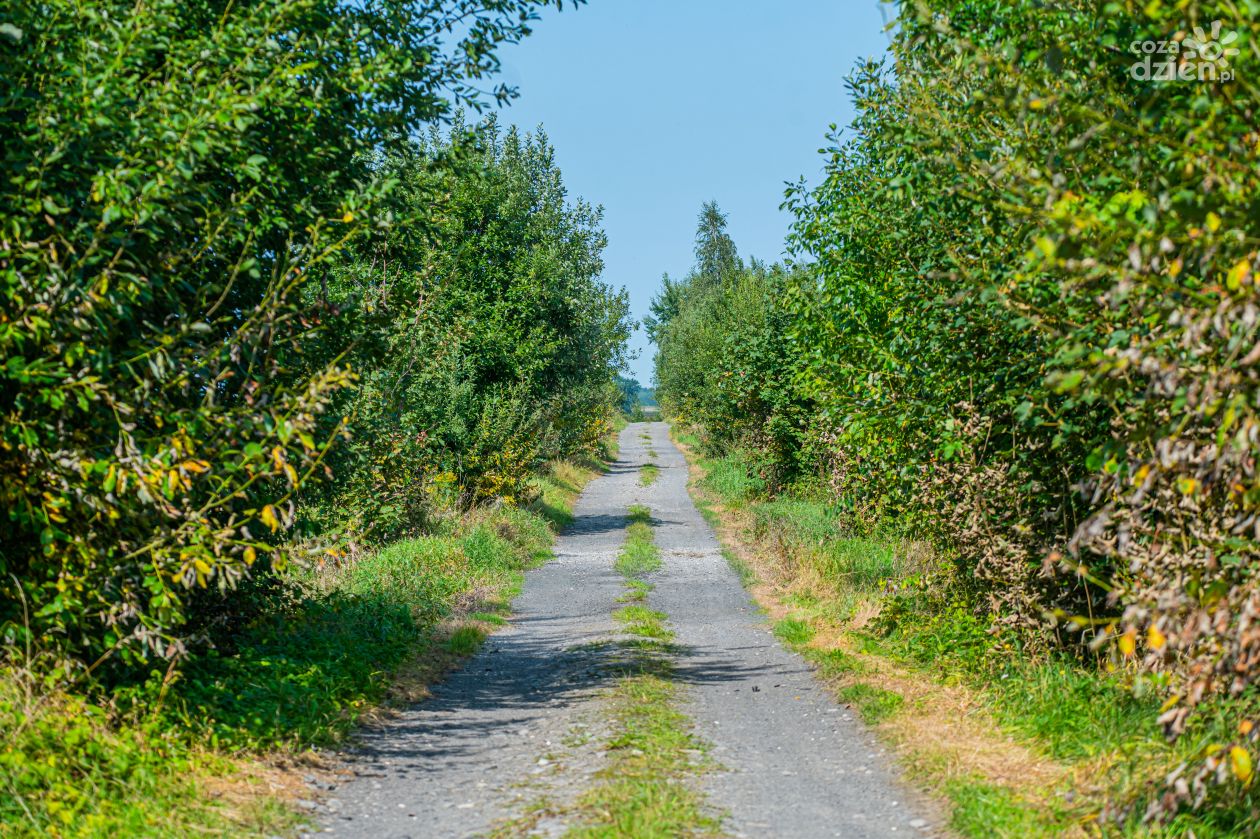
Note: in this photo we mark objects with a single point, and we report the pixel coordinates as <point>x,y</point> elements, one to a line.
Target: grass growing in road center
<point>644,623</point>
<point>639,556</point>
<point>648,474</point>
<point>643,791</point>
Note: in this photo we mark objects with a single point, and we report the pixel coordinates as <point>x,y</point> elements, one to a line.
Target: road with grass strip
<point>636,691</point>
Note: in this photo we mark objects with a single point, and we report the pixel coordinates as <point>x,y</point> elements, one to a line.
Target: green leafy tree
<point>725,360</point>
<point>629,389</point>
<point>487,341</point>
<point>716,257</point>
<point>717,261</point>
<point>664,308</point>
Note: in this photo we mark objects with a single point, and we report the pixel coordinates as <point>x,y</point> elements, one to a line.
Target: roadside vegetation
<point>300,370</point>
<point>225,741</point>
<point>301,367</point>
<point>983,735</point>
<point>998,413</point>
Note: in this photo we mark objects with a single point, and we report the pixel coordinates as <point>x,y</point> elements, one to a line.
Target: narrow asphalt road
<point>520,723</point>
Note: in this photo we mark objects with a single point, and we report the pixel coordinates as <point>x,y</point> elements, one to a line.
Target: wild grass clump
<point>986,810</point>
<point>873,703</point>
<point>822,538</point>
<point>793,632</point>
<point>729,478</point>
<point>643,791</point>
<point>639,556</point>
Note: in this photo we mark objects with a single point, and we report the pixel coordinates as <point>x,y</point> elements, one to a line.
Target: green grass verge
<point>983,809</point>
<point>685,437</point>
<point>793,632</point>
<point>184,759</point>
<point>465,640</point>
<point>303,678</point>
<point>874,704</point>
<point>730,479</point>
<point>68,769</point>
<point>835,663</point>
<point>561,481</point>
<point>1066,709</point>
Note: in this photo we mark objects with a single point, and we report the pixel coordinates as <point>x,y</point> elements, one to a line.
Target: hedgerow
<point>1031,333</point>
<point>725,360</point>
<point>197,307</point>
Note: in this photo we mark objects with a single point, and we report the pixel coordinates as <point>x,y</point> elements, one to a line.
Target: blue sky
<point>656,106</point>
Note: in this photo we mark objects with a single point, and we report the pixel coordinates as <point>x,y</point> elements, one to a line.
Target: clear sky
<point>656,106</point>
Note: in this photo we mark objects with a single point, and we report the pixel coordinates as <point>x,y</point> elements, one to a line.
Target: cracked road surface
<point>521,720</point>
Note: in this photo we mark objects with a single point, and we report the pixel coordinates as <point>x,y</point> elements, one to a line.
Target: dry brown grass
<point>281,777</point>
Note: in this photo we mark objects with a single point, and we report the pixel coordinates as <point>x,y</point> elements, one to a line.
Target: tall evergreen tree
<point>717,262</point>
<point>716,257</point>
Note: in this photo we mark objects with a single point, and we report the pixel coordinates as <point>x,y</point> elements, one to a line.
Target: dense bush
<point>1033,329</point>
<point>1035,320</point>
<point>173,172</point>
